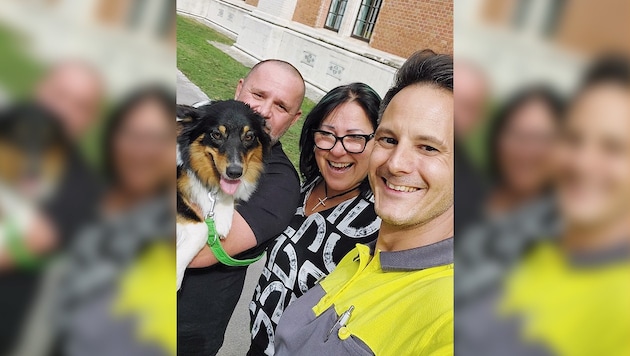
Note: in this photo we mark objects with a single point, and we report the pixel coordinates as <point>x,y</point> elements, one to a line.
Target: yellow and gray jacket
<point>376,303</point>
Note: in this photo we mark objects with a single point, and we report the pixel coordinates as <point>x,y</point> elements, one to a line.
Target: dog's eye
<point>249,136</point>
<point>216,135</point>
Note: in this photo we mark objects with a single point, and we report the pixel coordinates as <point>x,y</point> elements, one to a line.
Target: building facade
<point>522,41</point>
<point>396,27</point>
<point>131,42</point>
<point>332,42</point>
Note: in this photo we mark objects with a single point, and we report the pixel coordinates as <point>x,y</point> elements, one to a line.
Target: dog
<point>221,148</point>
<point>33,150</point>
<point>33,161</point>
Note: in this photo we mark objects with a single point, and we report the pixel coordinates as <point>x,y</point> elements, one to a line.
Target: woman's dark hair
<point>425,67</point>
<point>359,93</point>
<point>159,94</point>
<point>505,114</point>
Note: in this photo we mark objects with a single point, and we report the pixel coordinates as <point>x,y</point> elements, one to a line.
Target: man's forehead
<point>277,79</point>
<point>421,101</point>
<point>77,71</point>
<point>420,110</point>
<point>269,69</point>
<point>604,98</point>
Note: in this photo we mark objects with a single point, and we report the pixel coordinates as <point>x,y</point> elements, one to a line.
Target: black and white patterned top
<point>308,250</point>
<point>91,279</point>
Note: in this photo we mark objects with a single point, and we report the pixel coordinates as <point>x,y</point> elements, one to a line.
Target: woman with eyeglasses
<point>336,210</point>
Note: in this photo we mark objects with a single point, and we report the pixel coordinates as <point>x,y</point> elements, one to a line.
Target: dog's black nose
<point>234,172</point>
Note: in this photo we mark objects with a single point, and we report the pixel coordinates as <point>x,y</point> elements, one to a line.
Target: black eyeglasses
<point>353,143</point>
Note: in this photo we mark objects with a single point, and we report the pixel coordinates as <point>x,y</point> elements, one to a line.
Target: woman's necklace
<point>322,202</point>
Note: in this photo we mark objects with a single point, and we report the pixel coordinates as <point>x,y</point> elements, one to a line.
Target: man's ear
<point>296,117</point>
<point>239,87</point>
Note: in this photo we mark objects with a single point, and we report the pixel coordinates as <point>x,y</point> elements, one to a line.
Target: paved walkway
<point>237,335</point>
<point>187,92</point>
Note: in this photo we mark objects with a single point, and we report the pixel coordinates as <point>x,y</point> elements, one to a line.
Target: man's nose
<point>400,161</point>
<point>264,110</point>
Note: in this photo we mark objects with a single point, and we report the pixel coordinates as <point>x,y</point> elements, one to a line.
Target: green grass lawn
<point>18,71</point>
<point>217,74</point>
<point>477,144</point>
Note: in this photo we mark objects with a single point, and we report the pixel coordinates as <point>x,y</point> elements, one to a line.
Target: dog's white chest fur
<point>218,205</point>
<point>191,238</point>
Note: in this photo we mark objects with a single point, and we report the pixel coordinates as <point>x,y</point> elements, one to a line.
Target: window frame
<point>336,14</point>
<point>366,21</point>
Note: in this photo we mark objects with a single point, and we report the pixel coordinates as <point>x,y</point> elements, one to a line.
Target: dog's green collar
<point>17,249</point>
<point>219,252</point>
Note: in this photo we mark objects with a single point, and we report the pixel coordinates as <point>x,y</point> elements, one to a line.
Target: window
<point>335,14</point>
<point>134,17</point>
<point>167,19</point>
<point>366,19</point>
<point>554,11</point>
<point>110,11</point>
<point>521,13</point>
<point>553,16</point>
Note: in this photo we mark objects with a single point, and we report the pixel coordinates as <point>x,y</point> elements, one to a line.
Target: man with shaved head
<point>471,91</point>
<point>73,90</point>
<point>210,291</point>
<point>287,87</point>
<point>471,96</point>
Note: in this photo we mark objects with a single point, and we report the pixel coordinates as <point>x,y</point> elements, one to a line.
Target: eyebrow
<point>279,101</point>
<point>426,138</point>
<point>349,131</point>
<point>286,106</point>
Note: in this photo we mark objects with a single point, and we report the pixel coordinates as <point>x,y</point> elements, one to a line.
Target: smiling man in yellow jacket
<point>395,296</point>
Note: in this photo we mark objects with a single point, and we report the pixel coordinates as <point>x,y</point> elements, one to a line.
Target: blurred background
<point>542,127</point>
<point>87,146</point>
<point>518,43</point>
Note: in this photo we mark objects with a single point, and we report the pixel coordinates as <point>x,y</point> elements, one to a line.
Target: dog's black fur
<point>33,146</point>
<point>229,149</point>
<point>220,153</point>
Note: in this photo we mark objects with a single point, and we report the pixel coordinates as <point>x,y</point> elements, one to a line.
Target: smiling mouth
<point>400,188</point>
<point>339,166</point>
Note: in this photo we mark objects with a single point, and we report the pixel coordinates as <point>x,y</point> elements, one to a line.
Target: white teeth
<point>339,165</point>
<point>401,188</point>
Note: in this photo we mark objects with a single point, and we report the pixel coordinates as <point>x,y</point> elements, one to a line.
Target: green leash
<point>219,252</point>
<point>16,246</point>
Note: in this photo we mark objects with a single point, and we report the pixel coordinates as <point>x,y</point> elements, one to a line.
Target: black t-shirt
<point>471,191</point>
<point>76,202</point>
<point>270,208</point>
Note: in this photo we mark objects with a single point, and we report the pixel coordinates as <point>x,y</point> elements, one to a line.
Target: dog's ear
<point>186,117</point>
<point>187,114</point>
<point>263,137</point>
